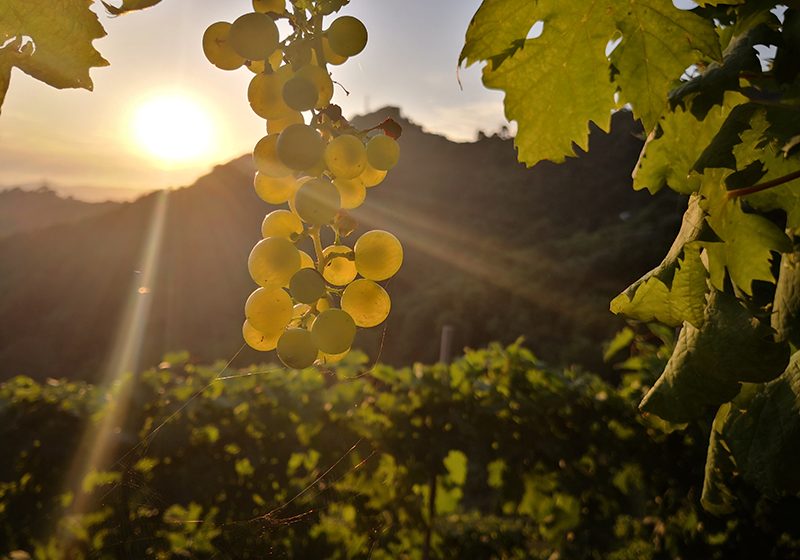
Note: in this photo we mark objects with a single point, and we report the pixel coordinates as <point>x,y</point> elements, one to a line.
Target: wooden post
<point>445,353</point>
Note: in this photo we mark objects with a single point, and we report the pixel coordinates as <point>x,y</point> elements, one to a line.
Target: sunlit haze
<point>123,138</point>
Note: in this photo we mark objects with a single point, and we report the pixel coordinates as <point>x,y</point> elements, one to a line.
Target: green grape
<point>321,79</point>
<point>351,191</point>
<point>378,255</point>
<point>265,6</point>
<point>300,147</point>
<point>265,94</point>
<point>383,152</point>
<point>274,190</point>
<point>216,47</point>
<point>265,157</point>
<point>258,340</point>
<point>296,349</point>
<point>323,304</point>
<point>307,285</point>
<point>346,156</point>
<point>366,302</point>
<point>372,177</point>
<point>273,261</point>
<point>276,126</point>
<point>300,93</point>
<point>317,202</point>
<point>254,36</point>
<point>333,331</point>
<point>347,36</point>
<point>306,261</point>
<point>331,57</point>
<point>282,223</point>
<point>324,358</point>
<point>268,310</point>
<point>339,270</point>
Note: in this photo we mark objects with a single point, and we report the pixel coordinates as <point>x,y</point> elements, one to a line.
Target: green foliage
<point>723,127</point>
<point>52,41</point>
<point>528,462</point>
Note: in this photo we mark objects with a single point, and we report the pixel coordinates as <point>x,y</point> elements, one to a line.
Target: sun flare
<point>173,128</point>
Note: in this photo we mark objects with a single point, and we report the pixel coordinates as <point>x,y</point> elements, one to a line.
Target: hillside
<point>493,248</point>
<point>27,210</point>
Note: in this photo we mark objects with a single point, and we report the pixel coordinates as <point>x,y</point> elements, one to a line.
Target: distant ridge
<point>493,248</point>
<point>23,210</point>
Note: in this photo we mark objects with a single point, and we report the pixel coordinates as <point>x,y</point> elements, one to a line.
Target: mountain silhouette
<point>27,210</point>
<point>492,248</point>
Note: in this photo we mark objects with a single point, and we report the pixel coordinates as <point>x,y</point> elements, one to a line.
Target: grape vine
<point>723,127</point>
<point>321,170</point>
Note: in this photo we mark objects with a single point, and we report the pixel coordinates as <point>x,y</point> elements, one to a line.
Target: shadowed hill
<point>493,248</point>
<point>27,210</point>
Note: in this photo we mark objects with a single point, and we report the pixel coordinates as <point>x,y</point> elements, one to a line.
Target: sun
<point>173,128</point>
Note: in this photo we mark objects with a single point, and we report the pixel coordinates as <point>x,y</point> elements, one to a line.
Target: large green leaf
<point>668,158</point>
<point>760,430</point>
<point>786,306</point>
<point>709,363</point>
<point>61,32</point>
<point>748,240</point>
<point>570,56</point>
<point>658,44</point>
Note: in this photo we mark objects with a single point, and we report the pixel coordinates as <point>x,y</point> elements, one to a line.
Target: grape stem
<point>735,193</point>
<point>313,233</point>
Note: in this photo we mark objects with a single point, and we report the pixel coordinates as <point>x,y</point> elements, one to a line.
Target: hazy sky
<point>80,139</point>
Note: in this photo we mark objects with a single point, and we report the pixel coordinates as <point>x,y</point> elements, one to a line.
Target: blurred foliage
<point>522,460</point>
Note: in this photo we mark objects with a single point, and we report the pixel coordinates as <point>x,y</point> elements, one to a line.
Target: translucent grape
<point>383,152</point>
<point>333,331</point>
<point>305,260</point>
<point>332,358</point>
<point>347,36</point>
<point>274,190</point>
<point>254,36</point>
<point>296,349</point>
<point>372,177</point>
<point>300,146</point>
<point>273,261</point>
<point>317,201</point>
<point>276,126</point>
<point>217,49</point>
<point>331,57</point>
<point>282,223</point>
<point>323,304</point>
<point>346,156</point>
<point>258,340</point>
<point>307,285</point>
<point>264,6</point>
<point>378,255</point>
<point>351,191</point>
<point>299,310</point>
<point>321,79</point>
<point>268,310</point>
<point>366,302</point>
<point>339,270</point>
<point>265,157</point>
<point>265,94</point>
<point>300,93</point>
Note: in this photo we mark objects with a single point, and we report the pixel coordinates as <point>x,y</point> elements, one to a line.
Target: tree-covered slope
<point>493,248</point>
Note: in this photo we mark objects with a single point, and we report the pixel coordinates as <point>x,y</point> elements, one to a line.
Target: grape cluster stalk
<point>308,306</point>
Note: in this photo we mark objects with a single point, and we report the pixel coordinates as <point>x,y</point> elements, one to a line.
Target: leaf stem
<point>735,193</point>
<point>313,233</point>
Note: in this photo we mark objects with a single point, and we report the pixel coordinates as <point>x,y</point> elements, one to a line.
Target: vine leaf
<point>683,301</point>
<point>709,363</point>
<point>756,437</point>
<point>61,34</point>
<point>129,6</point>
<point>786,306</point>
<point>667,160</point>
<point>747,239</point>
<point>570,56</point>
<point>658,44</point>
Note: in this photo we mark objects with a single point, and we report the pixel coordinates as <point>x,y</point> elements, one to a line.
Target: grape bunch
<point>312,159</point>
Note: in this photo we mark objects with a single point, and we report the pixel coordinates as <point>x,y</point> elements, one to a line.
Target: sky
<point>86,143</point>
